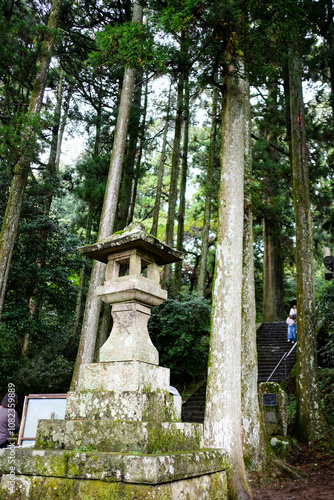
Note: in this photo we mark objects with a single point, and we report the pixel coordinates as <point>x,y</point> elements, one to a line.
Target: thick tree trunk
<point>183,186</point>
<point>254,448</point>
<point>309,424</point>
<point>93,302</point>
<point>222,423</point>
<point>208,196</point>
<point>273,271</point>
<point>156,210</point>
<point>18,185</point>
<point>174,177</point>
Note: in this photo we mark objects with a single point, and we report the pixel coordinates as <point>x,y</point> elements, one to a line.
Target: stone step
<point>118,437</point>
<point>271,343</point>
<point>110,467</point>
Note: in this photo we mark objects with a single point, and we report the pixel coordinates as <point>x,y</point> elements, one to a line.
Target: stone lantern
<point>122,436</point>
<point>132,287</point>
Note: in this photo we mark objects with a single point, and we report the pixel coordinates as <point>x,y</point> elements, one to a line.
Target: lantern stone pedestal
<point>122,436</point>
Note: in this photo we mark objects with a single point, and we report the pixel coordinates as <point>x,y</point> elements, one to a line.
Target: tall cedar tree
<point>309,424</point>
<point>28,144</point>
<point>222,423</point>
<point>89,329</point>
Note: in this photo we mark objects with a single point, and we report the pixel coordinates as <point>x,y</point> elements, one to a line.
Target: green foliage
<point>325,315</point>
<point>180,331</point>
<point>127,45</point>
<point>326,386</point>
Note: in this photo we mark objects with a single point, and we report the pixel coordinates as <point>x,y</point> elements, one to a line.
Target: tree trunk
<point>207,207</point>
<point>63,125</point>
<point>174,176</point>
<point>273,271</point>
<point>183,186</point>
<point>156,210</point>
<point>139,157</point>
<point>330,41</point>
<point>93,302</point>
<point>130,158</point>
<point>55,127</point>
<point>222,423</point>
<point>309,423</point>
<point>254,448</point>
<point>82,279</point>
<point>28,142</point>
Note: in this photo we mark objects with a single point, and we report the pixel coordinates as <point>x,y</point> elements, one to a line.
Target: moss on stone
<point>212,486</point>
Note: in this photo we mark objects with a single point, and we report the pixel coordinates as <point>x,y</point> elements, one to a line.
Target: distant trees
<point>167,171</point>
<point>27,148</point>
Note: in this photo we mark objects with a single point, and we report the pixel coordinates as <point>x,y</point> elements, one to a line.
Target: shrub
<point>180,332</point>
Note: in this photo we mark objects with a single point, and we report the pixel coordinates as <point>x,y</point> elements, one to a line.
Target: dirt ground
<point>317,471</point>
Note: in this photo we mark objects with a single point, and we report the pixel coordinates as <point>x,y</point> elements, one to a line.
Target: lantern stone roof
<point>133,236</point>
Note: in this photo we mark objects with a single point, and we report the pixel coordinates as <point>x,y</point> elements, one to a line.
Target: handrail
<point>283,358</point>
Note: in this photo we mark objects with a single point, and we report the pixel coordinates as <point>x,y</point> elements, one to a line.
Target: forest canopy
<point>57,129</point>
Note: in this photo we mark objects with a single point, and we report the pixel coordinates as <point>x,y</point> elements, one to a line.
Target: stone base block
<point>130,406</point>
<point>212,486</point>
<point>113,467</point>
<point>129,437</point>
<point>120,376</point>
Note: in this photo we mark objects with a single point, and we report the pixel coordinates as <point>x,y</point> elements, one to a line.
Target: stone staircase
<point>271,345</point>
<point>193,408</point>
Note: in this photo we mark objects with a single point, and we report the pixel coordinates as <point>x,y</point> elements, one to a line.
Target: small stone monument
<point>273,405</point>
<point>122,436</point>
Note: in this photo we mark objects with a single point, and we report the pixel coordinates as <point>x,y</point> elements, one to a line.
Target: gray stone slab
<point>114,467</point>
<point>130,406</point>
<point>209,486</point>
<point>101,435</point>
<point>123,376</point>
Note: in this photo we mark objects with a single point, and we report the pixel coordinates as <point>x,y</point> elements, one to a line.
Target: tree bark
<point>273,271</point>
<point>51,168</point>
<point>139,157</point>
<point>82,279</point>
<point>28,142</point>
<point>222,423</point>
<point>208,196</point>
<point>254,448</point>
<point>93,302</point>
<point>309,424</point>
<point>154,230</point>
<point>183,186</point>
<point>174,177</point>
<point>63,125</point>
<point>124,201</point>
<point>330,40</point>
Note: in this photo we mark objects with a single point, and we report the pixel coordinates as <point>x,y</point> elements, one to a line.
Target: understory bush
<point>180,331</point>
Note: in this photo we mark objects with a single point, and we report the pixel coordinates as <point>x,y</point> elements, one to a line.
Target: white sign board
<point>36,407</point>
